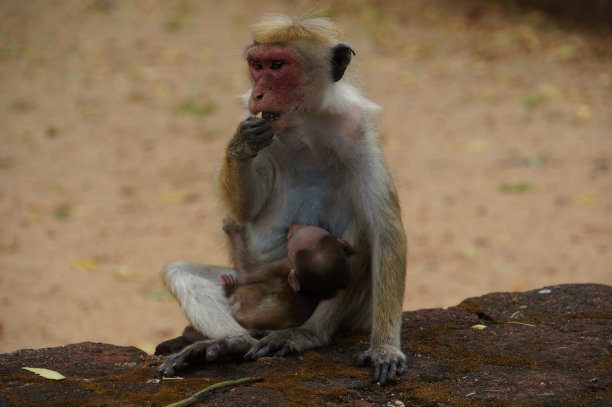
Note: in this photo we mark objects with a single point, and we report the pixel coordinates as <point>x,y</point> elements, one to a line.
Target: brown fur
<point>283,310</point>
<point>262,298</point>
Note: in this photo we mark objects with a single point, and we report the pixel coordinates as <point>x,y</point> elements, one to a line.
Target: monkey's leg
<point>202,300</point>
<point>204,304</point>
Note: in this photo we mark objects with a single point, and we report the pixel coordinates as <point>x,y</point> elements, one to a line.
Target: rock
<point>542,347</point>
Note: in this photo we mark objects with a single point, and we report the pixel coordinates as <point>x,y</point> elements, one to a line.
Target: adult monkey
<point>313,158</point>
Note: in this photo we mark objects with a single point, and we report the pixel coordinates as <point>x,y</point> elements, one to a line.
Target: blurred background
<point>496,122</point>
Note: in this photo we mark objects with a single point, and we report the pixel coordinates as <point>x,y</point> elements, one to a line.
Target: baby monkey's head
<point>319,261</point>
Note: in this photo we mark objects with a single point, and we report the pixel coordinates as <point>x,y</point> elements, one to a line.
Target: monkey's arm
<point>243,261</point>
<point>240,185</point>
<point>388,245</point>
<point>262,272</point>
<point>249,270</point>
<point>377,207</point>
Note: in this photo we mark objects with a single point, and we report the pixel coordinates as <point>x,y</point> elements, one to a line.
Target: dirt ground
<point>496,122</point>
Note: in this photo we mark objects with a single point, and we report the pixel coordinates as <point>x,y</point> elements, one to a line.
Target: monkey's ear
<point>348,249</point>
<point>341,58</point>
<point>293,281</point>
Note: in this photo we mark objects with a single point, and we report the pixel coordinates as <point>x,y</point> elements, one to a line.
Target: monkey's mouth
<point>270,116</point>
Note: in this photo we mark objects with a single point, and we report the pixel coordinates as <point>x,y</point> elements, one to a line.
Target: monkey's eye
<point>276,64</point>
<point>257,65</point>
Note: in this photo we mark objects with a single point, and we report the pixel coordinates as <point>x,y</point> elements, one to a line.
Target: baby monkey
<point>285,292</point>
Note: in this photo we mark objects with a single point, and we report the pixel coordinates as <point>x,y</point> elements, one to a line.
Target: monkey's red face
<point>278,81</point>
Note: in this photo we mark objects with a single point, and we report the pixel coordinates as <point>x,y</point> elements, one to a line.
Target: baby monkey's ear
<point>348,249</point>
<point>293,281</point>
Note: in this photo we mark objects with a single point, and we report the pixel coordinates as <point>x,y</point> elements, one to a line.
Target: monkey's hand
<point>388,362</point>
<point>205,351</point>
<point>281,343</point>
<point>230,226</point>
<point>252,135</point>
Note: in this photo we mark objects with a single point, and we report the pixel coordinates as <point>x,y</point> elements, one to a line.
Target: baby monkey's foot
<point>228,283</point>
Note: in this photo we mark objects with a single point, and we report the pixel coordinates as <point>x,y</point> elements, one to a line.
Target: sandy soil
<point>497,124</point>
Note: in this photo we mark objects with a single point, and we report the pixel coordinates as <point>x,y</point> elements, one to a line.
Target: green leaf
<point>191,108</point>
<point>159,295</point>
<point>517,188</point>
<point>534,99</point>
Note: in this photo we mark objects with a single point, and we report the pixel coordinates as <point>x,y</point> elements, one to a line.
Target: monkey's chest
<point>319,198</point>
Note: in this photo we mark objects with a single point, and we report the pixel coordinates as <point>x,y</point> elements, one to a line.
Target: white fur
<point>202,300</point>
<point>342,96</point>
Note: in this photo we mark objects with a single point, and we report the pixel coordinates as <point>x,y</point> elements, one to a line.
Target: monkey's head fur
<point>280,29</point>
<point>293,62</point>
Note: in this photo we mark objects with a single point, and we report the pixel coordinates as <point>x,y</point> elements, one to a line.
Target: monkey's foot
<point>388,362</point>
<point>205,351</point>
<point>174,345</point>
<point>230,226</point>
<point>228,283</point>
<point>281,343</point>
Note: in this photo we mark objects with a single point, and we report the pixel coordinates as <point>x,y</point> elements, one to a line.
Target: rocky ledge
<point>544,347</point>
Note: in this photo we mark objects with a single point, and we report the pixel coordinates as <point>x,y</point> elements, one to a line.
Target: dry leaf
<point>84,264</point>
<point>125,274</point>
<point>468,252</point>
<point>478,146</point>
<point>566,52</point>
<point>174,197</point>
<point>520,323</point>
<point>479,327</point>
<point>80,211</point>
<point>148,347</point>
<point>582,112</point>
<point>46,373</point>
<point>586,200</point>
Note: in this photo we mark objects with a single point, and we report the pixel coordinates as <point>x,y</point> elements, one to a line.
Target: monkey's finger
<point>252,122</point>
<point>266,350</point>
<point>253,352</point>
<point>212,352</point>
<point>168,372</point>
<point>363,359</point>
<point>161,370</point>
<point>259,141</point>
<point>393,370</point>
<point>254,355</point>
<point>384,373</point>
<point>168,367</point>
<point>402,367</point>
<point>377,372</point>
<point>282,352</point>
